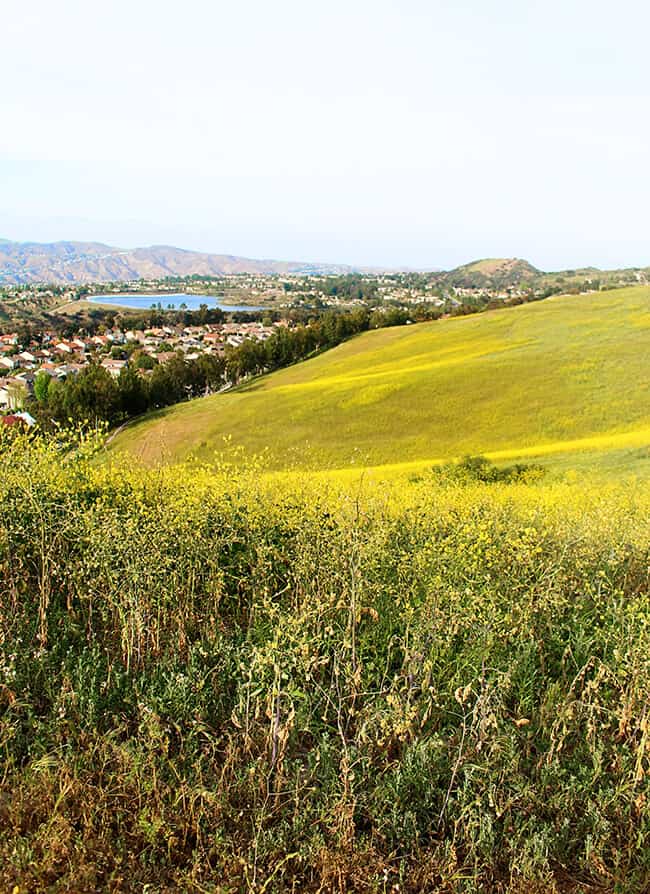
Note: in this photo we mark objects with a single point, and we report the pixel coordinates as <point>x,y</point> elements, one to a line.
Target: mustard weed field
<point>215,680</point>
<point>565,381</point>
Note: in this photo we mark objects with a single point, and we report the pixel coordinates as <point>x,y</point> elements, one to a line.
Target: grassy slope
<point>567,377</point>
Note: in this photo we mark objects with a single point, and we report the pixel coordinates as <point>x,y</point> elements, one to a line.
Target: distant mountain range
<point>75,263</point>
<point>83,262</point>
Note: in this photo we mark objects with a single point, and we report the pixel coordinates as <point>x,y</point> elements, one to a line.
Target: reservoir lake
<point>142,301</point>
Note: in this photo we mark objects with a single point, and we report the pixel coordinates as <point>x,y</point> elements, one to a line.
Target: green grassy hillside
<point>567,377</point>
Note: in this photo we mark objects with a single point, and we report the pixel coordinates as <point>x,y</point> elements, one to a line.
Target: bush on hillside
<point>480,468</point>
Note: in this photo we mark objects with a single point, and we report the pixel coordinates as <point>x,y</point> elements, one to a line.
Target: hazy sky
<point>414,132</point>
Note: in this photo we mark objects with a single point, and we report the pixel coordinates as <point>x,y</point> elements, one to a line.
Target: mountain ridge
<point>75,262</point>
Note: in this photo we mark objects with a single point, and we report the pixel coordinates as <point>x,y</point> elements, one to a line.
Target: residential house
<point>114,367</point>
<point>12,393</point>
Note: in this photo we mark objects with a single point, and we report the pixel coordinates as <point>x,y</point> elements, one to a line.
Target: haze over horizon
<point>420,134</point>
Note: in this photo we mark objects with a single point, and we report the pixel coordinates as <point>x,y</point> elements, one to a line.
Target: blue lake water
<point>175,299</point>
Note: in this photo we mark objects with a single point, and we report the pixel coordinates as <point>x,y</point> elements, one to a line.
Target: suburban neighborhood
<point>61,358</point>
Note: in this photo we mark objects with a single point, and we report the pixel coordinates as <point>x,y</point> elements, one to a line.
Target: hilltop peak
<point>492,266</point>
<point>492,272</point>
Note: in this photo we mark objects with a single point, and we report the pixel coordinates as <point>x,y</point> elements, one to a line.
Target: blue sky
<point>367,131</point>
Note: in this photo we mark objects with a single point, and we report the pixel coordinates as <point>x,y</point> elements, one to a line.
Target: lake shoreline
<point>171,301</point>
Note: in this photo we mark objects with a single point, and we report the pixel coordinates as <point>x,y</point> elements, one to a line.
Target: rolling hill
<point>83,262</point>
<point>567,377</point>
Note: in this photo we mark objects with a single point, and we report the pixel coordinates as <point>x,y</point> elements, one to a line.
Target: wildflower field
<point>213,680</point>
<point>564,382</point>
